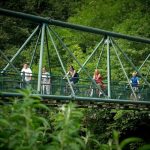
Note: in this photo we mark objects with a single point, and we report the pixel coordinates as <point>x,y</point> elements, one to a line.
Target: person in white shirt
<point>45,81</point>
<point>26,74</point>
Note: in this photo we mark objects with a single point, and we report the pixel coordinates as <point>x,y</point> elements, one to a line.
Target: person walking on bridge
<point>74,75</point>
<point>98,79</point>
<point>45,81</point>
<point>134,81</point>
<point>135,85</point>
<point>26,74</point>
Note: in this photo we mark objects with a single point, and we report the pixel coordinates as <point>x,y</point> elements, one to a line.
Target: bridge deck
<point>86,94</point>
<point>10,82</point>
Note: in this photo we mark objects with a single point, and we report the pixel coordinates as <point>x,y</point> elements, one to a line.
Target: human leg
<point>47,89</point>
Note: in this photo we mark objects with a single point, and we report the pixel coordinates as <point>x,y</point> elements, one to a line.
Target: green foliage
<point>13,32</point>
<point>128,123</point>
<point>67,124</point>
<point>26,123</point>
<point>145,147</point>
<point>126,16</point>
<point>113,144</point>
<point>21,127</point>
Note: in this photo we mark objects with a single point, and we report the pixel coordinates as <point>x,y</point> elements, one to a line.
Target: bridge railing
<point>11,82</point>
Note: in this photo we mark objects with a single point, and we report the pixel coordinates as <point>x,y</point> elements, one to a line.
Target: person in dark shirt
<point>74,75</point>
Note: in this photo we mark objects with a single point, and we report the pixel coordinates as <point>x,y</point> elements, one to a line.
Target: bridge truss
<point>114,94</point>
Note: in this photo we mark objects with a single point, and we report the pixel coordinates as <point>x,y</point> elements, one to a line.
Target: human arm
<point>97,77</point>
<point>94,77</point>
<point>73,73</point>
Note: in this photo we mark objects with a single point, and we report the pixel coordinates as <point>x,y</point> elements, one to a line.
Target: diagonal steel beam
<point>93,52</point>
<point>144,62</point>
<point>21,48</point>
<point>41,58</point>
<point>7,60</point>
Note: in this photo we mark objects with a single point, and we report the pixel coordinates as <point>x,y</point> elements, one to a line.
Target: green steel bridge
<point>118,94</point>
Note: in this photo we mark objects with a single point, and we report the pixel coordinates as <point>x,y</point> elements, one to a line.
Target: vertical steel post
<point>71,54</point>
<point>131,63</point>
<point>41,59</point>
<point>48,53</point>
<point>62,65</point>
<point>123,68</point>
<point>108,67</point>
<point>21,48</point>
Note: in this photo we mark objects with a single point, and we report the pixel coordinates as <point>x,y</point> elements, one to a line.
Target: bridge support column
<point>41,59</point>
<point>108,67</point>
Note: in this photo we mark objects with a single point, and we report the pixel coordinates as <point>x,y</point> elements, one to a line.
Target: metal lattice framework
<point>45,32</point>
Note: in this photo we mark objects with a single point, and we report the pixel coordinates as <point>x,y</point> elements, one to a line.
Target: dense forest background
<point>126,17</point>
<point>123,16</point>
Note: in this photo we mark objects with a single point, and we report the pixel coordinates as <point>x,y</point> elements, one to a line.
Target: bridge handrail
<point>9,74</point>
